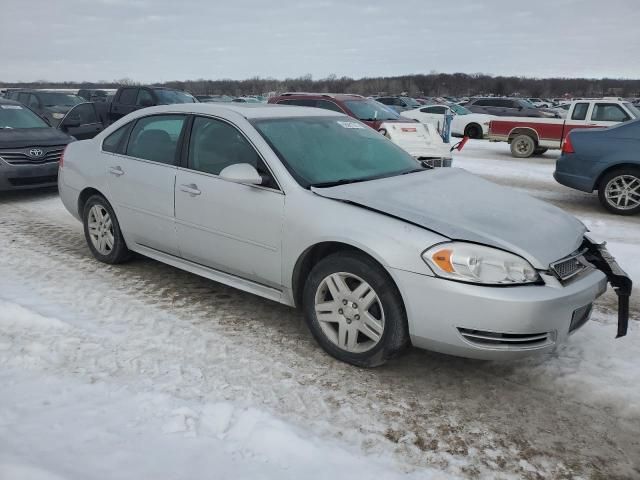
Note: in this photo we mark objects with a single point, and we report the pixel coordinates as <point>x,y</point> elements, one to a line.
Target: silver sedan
<point>314,209</point>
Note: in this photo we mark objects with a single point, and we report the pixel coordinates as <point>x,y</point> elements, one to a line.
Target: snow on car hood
<point>463,206</point>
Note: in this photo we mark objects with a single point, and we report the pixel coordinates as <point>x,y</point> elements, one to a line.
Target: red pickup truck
<point>534,136</point>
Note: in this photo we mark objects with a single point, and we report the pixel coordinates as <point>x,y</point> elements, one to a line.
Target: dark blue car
<point>606,160</point>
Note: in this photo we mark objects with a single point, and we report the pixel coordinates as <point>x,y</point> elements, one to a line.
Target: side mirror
<point>241,173</point>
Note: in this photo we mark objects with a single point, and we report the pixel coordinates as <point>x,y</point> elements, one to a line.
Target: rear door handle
<point>117,171</point>
<point>191,189</point>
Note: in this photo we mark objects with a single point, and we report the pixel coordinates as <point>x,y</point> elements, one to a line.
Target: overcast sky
<point>160,40</point>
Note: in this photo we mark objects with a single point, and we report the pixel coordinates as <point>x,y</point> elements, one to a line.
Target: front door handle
<point>117,171</point>
<point>191,189</point>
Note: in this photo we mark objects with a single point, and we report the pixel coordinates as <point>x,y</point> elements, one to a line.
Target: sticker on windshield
<point>350,124</point>
<point>11,107</point>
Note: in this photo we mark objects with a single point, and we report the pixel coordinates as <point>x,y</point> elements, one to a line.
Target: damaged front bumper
<point>598,256</point>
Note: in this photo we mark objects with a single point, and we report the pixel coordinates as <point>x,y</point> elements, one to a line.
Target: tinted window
<point>328,149</point>
<point>386,100</point>
<point>156,138</point>
<point>128,96</point>
<point>327,105</point>
<point>214,145</point>
<point>438,110</point>
<point>481,103</point>
<point>85,114</point>
<point>144,98</point>
<point>114,143</point>
<point>168,97</point>
<point>300,102</point>
<point>33,102</point>
<point>608,112</point>
<point>370,110</point>
<point>580,111</point>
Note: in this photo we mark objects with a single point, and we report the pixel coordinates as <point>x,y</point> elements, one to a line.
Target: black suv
<point>507,107</point>
<point>30,148</point>
<point>130,99</point>
<point>51,105</point>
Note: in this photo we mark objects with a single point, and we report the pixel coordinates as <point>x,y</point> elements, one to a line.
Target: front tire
<point>354,310</point>
<point>619,191</point>
<point>102,231</point>
<point>540,151</point>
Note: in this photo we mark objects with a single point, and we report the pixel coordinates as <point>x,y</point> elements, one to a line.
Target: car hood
<point>32,137</point>
<point>461,206</point>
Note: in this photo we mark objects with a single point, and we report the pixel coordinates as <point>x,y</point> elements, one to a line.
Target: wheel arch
<point>473,124</point>
<point>610,168</point>
<point>524,131</point>
<point>315,253</point>
<point>85,194</point>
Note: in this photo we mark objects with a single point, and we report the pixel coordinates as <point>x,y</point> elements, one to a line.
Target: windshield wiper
<point>335,183</point>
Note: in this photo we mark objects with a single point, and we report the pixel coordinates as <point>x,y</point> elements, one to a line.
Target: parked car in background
<point>131,98</point>
<point>540,102</point>
<point>213,98</point>
<point>424,144</point>
<point>97,94</point>
<point>399,104</point>
<point>606,160</point>
<point>52,106</point>
<point>534,136</point>
<point>312,209</point>
<point>463,124</point>
<point>506,107</point>
<point>562,109</point>
<point>30,148</point>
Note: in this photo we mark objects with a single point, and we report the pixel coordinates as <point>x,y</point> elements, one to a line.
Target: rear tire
<point>619,191</point>
<point>523,146</point>
<point>473,130</point>
<point>102,231</point>
<point>354,310</point>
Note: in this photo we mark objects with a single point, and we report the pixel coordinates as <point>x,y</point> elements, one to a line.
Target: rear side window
<point>144,98</point>
<point>128,96</point>
<point>608,112</point>
<point>114,143</point>
<point>580,111</point>
<point>156,138</point>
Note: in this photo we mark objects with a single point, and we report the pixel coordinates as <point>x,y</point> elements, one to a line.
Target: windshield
<point>320,151</point>
<point>412,102</point>
<point>16,116</point>
<point>633,109</point>
<point>49,99</point>
<point>459,110</point>
<point>370,111</point>
<point>167,97</point>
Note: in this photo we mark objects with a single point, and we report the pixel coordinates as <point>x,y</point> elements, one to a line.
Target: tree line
<point>432,84</point>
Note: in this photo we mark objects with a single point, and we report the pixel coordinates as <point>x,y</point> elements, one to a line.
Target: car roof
<point>335,96</point>
<point>247,110</point>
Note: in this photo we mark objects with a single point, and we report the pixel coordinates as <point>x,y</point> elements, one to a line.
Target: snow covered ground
<point>143,371</point>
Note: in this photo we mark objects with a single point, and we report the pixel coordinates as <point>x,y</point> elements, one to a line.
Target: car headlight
<point>469,262</point>
<point>57,116</point>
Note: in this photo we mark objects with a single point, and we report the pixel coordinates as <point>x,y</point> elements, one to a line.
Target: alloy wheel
<point>349,312</point>
<point>623,192</point>
<point>101,229</point>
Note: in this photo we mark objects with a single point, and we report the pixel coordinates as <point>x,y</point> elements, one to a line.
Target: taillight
<point>567,147</point>
<point>62,157</point>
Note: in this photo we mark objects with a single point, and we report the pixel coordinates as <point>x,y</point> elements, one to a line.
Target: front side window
<point>319,151</point>
<point>608,112</point>
<point>156,138</point>
<point>214,145</point>
<point>580,111</point>
<point>17,116</point>
<point>144,98</point>
<point>84,114</point>
<point>128,96</point>
<point>327,105</point>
